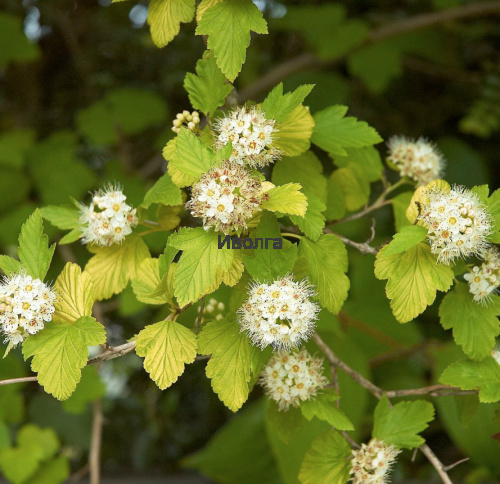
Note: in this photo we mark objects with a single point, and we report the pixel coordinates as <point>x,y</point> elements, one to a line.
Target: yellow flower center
<point>26,306</point>
<point>221,208</point>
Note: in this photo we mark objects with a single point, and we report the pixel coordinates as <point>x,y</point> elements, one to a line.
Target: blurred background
<point>86,98</point>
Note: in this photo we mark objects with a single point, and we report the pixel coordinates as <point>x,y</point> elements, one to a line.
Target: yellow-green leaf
<point>146,281</point>
<point>294,133</point>
<point>167,347</point>
<point>286,199</point>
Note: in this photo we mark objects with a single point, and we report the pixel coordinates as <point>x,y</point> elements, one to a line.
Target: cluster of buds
<point>212,310</point>
<point>226,197</point>
<point>457,221</point>
<point>290,378</point>
<point>372,463</point>
<point>280,314</point>
<point>251,136</point>
<point>419,159</point>
<point>484,280</point>
<point>108,219</point>
<point>187,119</point>
<point>26,304</point>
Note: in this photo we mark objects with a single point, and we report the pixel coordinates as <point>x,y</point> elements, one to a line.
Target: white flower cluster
<point>251,135</point>
<point>108,219</point>
<point>213,309</point>
<point>290,378</point>
<point>484,280</point>
<point>496,354</point>
<point>372,463</point>
<point>189,120</point>
<point>226,197</point>
<point>279,314</point>
<point>458,223</point>
<point>418,159</point>
<point>26,304</point>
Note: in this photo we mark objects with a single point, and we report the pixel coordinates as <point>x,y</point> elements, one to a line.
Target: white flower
<point>484,280</point>
<point>290,378</point>
<point>108,219</point>
<point>279,314</point>
<point>495,354</point>
<point>457,221</point>
<point>419,159</point>
<point>226,197</point>
<point>186,119</point>
<point>372,463</point>
<point>251,135</point>
<point>26,304</point>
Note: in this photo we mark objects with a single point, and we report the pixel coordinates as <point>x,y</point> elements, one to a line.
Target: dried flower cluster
<point>251,136</point>
<point>108,219</point>
<point>290,378</point>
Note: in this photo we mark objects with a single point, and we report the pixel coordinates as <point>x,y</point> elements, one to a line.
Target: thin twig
<point>363,247</point>
<point>349,439</point>
<point>95,443</point>
<point>200,316</point>
<point>438,465</point>
<point>24,379</point>
<point>433,391</point>
<point>362,213</point>
<point>451,466</point>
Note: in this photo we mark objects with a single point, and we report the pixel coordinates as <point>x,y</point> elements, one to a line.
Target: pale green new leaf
<point>165,17</point>
<point>313,223</point>
<point>405,239</point>
<point>112,267</point>
<point>327,265</point>
<point>167,347</point>
<point>60,351</point>
<point>294,133</point>
<point>279,106</point>
<point>34,251</point>
<point>163,191</point>
<point>228,25</point>
<point>323,407</point>
<point>327,460</point>
<point>333,131</point>
<point>286,199</point>
<point>147,281</point>
<point>475,375</point>
<point>414,277</point>
<point>9,265</point>
<point>207,89</point>
<point>475,326</point>
<point>401,424</point>
<point>75,294</point>
<point>65,218</point>
<point>232,361</point>
<point>197,268</point>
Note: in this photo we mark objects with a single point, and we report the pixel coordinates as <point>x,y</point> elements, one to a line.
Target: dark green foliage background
<point>92,101</point>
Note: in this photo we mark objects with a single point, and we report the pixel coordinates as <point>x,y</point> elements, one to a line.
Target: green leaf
<point>192,158</point>
<point>401,424</point>
<point>354,185</point>
<point>165,17</point>
<point>75,294</point>
<point>15,46</point>
<point>333,131</point>
<point>313,223</point>
<point>327,265</point>
<point>60,351</point>
<point>34,251</point>
<point>197,268</point>
<point>475,326</point>
<point>65,218</point>
<point>279,106</point>
<point>408,237</point>
<point>475,375</point>
<point>207,89</point>
<point>9,265</point>
<point>269,264</point>
<point>233,361</point>
<point>327,460</point>
<point>414,277</point>
<point>42,442</point>
<point>335,200</point>
<point>71,237</point>
<point>167,347</point>
<point>163,191</point>
<point>323,407</point>
<point>89,389</point>
<point>493,204</point>
<point>203,6</point>
<point>13,147</point>
<point>18,464</point>
<point>400,203</point>
<point>228,26</point>
<point>112,267</point>
<point>146,281</point>
<point>294,134</point>
<point>55,471</point>
<point>286,199</point>
<point>367,158</point>
<point>285,424</point>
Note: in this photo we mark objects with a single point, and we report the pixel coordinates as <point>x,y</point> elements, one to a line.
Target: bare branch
<point>438,465</point>
<point>433,391</point>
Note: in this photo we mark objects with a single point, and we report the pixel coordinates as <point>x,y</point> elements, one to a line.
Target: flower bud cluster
<point>484,280</point>
<point>26,304</point>
<point>212,310</point>
<point>251,136</point>
<point>457,221</point>
<point>372,463</point>
<point>187,119</point>
<point>290,378</point>
<point>419,159</point>
<point>279,314</point>
<point>108,219</point>
<point>226,197</point>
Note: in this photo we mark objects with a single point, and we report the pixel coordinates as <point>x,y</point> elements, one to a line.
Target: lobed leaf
<point>286,199</point>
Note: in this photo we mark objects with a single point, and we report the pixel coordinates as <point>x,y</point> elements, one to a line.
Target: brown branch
<point>307,61</point>
<point>363,247</point>
<point>438,465</point>
<point>433,391</point>
<point>365,211</point>
<point>18,380</point>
